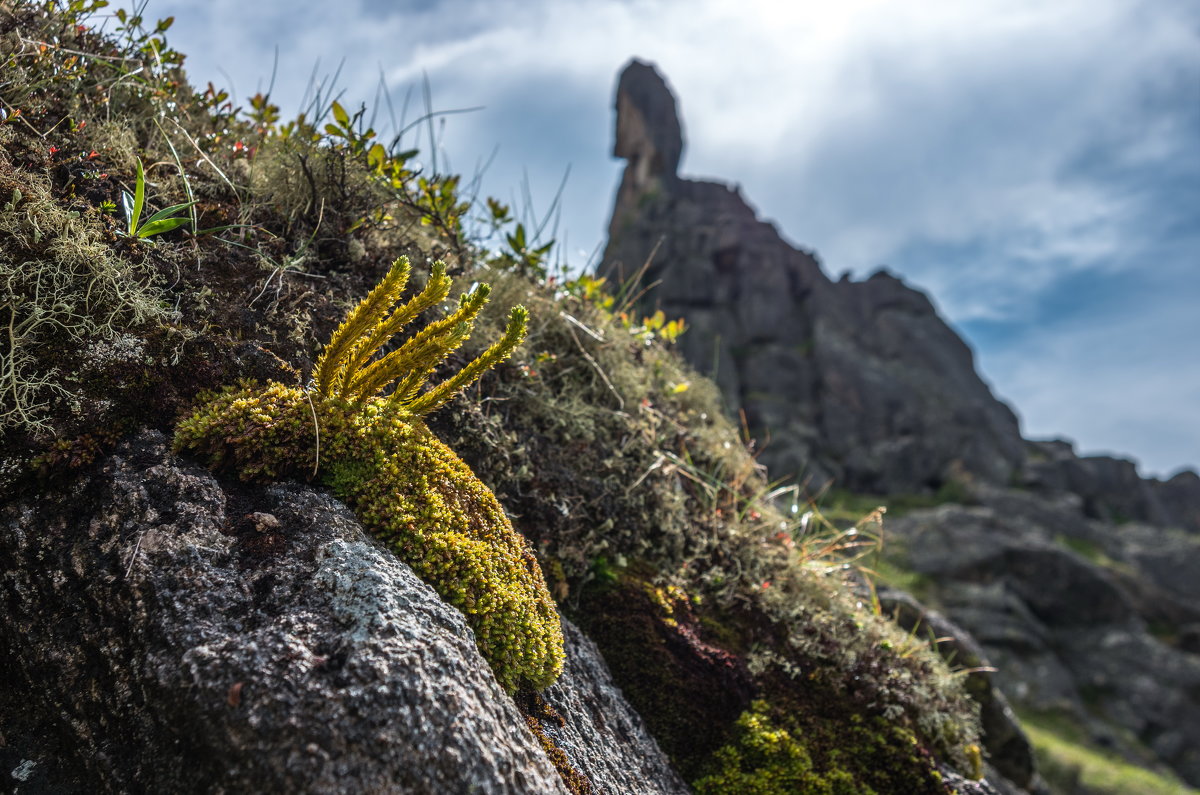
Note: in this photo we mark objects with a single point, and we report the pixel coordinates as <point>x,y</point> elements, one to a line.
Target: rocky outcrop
<point>1072,614</point>
<point>173,634</point>
<point>1180,497</point>
<point>1111,488</point>
<point>1080,585</point>
<point>860,382</point>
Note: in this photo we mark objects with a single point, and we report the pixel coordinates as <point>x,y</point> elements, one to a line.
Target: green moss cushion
<point>412,492</point>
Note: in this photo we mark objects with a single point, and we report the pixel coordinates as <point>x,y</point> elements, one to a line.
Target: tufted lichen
<point>376,453</point>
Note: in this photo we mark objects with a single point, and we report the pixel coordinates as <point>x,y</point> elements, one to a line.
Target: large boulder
<point>167,633</point>
<point>1180,496</point>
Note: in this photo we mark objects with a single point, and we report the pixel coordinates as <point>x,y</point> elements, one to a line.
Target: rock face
<point>1072,614</point>
<point>1110,488</point>
<point>596,716</point>
<point>170,635</point>
<point>857,381</point>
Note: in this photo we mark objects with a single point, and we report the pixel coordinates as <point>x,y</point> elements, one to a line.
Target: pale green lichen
<point>410,490</point>
<point>61,289</point>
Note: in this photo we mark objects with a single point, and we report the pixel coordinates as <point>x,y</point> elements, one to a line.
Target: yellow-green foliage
<point>776,752</point>
<point>766,760</point>
<point>406,487</point>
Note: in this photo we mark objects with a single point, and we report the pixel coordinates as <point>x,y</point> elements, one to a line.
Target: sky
<point>1033,165</point>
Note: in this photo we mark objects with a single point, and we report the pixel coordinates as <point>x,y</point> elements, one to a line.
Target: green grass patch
<point>839,505</point>
<point>1086,549</point>
<point>1065,762</point>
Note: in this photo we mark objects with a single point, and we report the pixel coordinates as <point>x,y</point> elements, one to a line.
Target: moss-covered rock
<point>407,487</point>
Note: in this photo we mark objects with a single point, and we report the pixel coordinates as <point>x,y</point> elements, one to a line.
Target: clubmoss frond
<point>424,360</point>
<point>423,352</point>
<point>345,369</point>
<point>352,332</point>
<point>436,290</point>
<point>514,333</point>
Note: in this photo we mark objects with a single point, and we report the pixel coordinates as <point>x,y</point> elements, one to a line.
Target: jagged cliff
<point>1075,574</point>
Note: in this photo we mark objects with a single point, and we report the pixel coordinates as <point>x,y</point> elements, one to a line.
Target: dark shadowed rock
<point>1110,488</point>
<point>163,634</point>
<point>1063,607</point>
<point>648,131</point>
<point>857,381</point>
<point>1180,497</point>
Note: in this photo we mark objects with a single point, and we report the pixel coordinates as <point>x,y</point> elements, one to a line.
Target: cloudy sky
<point>1032,164</point>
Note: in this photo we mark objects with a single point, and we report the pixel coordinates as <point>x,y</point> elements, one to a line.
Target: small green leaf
<point>376,156</point>
<point>170,211</point>
<point>159,227</point>
<point>127,204</point>
<point>139,198</point>
<point>339,113</point>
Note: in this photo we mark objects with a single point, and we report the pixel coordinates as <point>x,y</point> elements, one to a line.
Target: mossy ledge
<point>407,488</point>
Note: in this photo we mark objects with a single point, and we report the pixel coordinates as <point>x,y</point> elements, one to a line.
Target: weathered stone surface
<point>1110,488</point>
<point>1180,497</point>
<point>965,786</point>
<point>602,736</point>
<point>163,634</point>
<point>857,381</point>
<point>1071,630</point>
<point>648,131</point>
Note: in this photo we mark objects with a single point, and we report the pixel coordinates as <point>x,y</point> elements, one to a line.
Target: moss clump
<point>764,759</point>
<point>410,490</point>
<point>774,753</point>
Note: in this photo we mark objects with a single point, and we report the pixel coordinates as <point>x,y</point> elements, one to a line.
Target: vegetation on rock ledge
<point>407,487</point>
<point>637,495</point>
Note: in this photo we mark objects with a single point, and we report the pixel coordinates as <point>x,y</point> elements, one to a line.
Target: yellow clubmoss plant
<point>376,454</point>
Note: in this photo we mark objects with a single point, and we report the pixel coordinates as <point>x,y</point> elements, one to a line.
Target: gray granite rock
<point>1064,608</point>
<point>164,634</point>
<point>602,736</point>
<point>1180,497</point>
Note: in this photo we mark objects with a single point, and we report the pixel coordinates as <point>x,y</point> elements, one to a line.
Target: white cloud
<point>1120,387</point>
